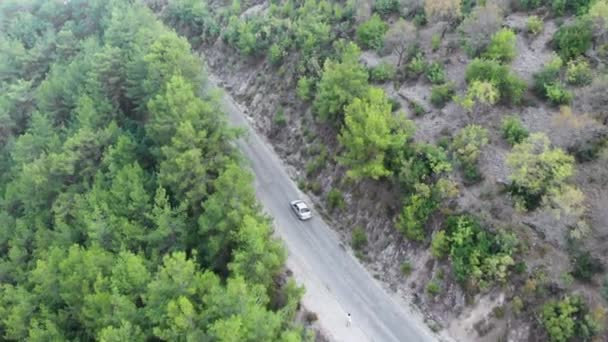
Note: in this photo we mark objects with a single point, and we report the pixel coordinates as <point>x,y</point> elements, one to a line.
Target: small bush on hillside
<point>406,268</point>
<point>528,5</point>
<point>417,108</point>
<point>370,34</point>
<point>440,246</point>
<point>513,130</point>
<point>417,65</point>
<point>585,266</point>
<point>304,88</point>
<point>425,163</point>
<point>335,200</point>
<point>535,25</point>
<point>435,42</point>
<point>558,94</point>
<point>571,41</point>
<point>418,208</point>
<point>467,147</point>
<point>562,7</point>
<point>510,87</point>
<point>279,118</point>
<point>578,73</point>
<point>386,7</point>
<point>435,73</point>
<point>395,104</point>
<point>382,72</point>
<point>478,28</point>
<point>549,76</point>
<point>433,287</point>
<point>502,47</point>
<point>442,94</point>
<point>358,238</point>
<point>439,10</point>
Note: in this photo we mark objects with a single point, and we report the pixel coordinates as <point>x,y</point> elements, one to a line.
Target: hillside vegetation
<point>125,213</point>
<point>463,143</point>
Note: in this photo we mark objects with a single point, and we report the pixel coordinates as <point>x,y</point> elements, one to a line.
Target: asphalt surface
<point>336,283</point>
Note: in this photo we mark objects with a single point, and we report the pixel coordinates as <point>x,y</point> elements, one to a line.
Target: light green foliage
<point>537,169</point>
<point>382,72</point>
<point>479,257</point>
<point>358,238</point>
<point>417,65</point>
<point>422,163</point>
<point>435,42</point>
<point>192,19</point>
<point>535,24</point>
<point>478,28</point>
<point>510,88</point>
<point>342,81</point>
<point>479,92</point>
<point>440,245</point>
<point>442,94</point>
<point>386,7</point>
<point>305,88</point>
<point>568,318</point>
<point>557,94</point>
<point>467,147</point>
<point>579,73</point>
<point>370,33</point>
<point>599,10</point>
<point>502,46</point>
<point>370,131</point>
<point>513,130</point>
<point>435,73</point>
<point>243,34</point>
<point>416,211</point>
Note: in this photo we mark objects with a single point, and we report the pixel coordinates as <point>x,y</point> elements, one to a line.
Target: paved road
<point>336,283</point>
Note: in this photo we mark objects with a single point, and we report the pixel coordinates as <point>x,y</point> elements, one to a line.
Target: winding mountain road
<point>336,283</point>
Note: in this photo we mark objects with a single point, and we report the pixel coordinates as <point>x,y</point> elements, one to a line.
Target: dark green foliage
<point>406,268</point>
<point>530,4</point>
<point>358,238</point>
<point>442,94</point>
<point>571,41</point>
<point>557,94</point>
<point>568,319</point>
<point>279,118</point>
<point>382,72</point>
<point>123,207</point>
<point>513,130</point>
<point>562,7</point>
<point>386,7</point>
<point>585,266</point>
<point>335,200</point>
<point>417,108</point>
<point>479,257</point>
<point>511,88</point>
<point>548,76</point>
<point>604,289</point>
<point>433,287</point>
<point>192,19</point>
<point>370,34</point>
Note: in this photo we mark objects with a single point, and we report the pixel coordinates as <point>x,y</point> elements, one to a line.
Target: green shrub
<point>417,209</point>
<point>467,147</point>
<point>478,256</point>
<point>578,73</point>
<point>440,245</point>
<point>279,118</point>
<point>558,94</point>
<point>562,7</point>
<point>442,94</point>
<point>585,266</point>
<point>417,65</point>
<point>549,75</point>
<point>571,41</point>
<point>417,108</point>
<point>423,164</point>
<point>568,319</point>
<point>382,72</point>
<point>435,73</point>
<point>529,5</point>
<point>315,187</point>
<point>517,305</point>
<point>358,238</point>
<point>386,7</point>
<point>242,34</point>
<point>276,54</point>
<point>335,200</point>
<point>406,268</point>
<point>435,42</point>
<point>433,287</point>
<point>502,47</point>
<point>314,166</point>
<point>535,25</point>
<point>395,105</point>
<point>511,88</point>
<point>513,130</point>
<point>304,88</point>
<point>370,34</point>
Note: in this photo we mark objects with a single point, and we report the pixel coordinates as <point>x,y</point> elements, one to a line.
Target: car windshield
<point>304,210</point>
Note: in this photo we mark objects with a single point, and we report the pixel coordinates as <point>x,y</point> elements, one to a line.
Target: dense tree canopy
<point>124,212</point>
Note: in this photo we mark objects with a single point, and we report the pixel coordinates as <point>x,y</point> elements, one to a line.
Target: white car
<point>300,208</point>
